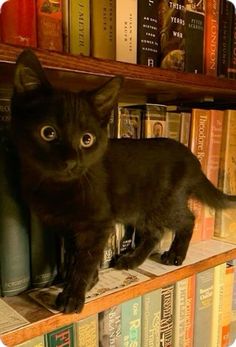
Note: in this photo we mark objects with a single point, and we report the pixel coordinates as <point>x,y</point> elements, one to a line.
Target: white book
<point>126,30</point>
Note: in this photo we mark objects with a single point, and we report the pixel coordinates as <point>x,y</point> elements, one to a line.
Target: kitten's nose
<point>71,164</point>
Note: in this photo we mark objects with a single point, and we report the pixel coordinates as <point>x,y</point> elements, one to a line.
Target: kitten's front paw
<point>67,303</point>
<point>171,258</point>
<point>126,262</point>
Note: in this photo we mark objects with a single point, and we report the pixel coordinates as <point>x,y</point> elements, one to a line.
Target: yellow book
<point>79,27</point>
<point>103,29</point>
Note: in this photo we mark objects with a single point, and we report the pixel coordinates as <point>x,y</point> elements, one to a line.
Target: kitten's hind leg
<point>147,243</point>
<point>178,249</point>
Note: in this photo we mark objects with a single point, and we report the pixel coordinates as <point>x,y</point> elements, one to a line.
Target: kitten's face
<point>61,134</point>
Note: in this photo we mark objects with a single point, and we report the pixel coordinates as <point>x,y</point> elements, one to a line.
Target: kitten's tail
<point>207,193</point>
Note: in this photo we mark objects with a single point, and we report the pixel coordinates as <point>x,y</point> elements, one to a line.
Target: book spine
<point>147,40</point>
<point>61,337</point>
<point>131,322</point>
<point>128,122</point>
<point>79,22</point>
<point>126,31</point>
<point>212,170</point>
<point>49,25</point>
<point>5,112</point>
<point>227,305</point>
<point>14,236</point>
<point>231,70</point>
<point>225,219</point>
<point>185,128</point>
<point>219,273</point>
<point>18,23</point>
<point>211,37</point>
<point>225,39</point>
<point>194,37</point>
<point>199,144</point>
<point>171,19</point>
<point>167,316</point>
<point>86,332</point>
<point>35,342</point>
<point>203,308</point>
<point>110,327</point>
<point>173,124</point>
<point>154,121</point>
<point>109,251</point>
<point>65,25</point>
<point>43,250</point>
<point>184,312</point>
<point>233,318</point>
<point>151,318</point>
<point>103,29</point>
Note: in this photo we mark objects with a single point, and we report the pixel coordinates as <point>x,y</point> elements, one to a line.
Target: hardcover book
<point>171,22</point>
<point>167,316</point>
<point>35,342</point>
<point>153,120</point>
<point>173,125</point>
<point>110,327</point>
<point>61,337</point>
<point>103,28</point>
<point>151,318</point>
<point>129,122</point>
<point>211,37</point>
<point>227,305</point>
<point>49,24</point>
<point>18,22</point>
<point>126,31</point>
<point>194,36</point>
<point>231,70</point>
<point>131,312</point>
<point>203,308</point>
<point>79,27</point>
<point>86,332</point>
<point>148,37</point>
<point>5,112</point>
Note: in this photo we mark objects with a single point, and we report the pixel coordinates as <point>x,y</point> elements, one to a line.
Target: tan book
<point>126,30</point>
<point>103,29</point>
<point>79,27</point>
<point>225,220</point>
<point>199,144</point>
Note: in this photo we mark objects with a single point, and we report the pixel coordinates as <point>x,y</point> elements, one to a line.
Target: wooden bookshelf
<point>42,321</point>
<point>159,85</point>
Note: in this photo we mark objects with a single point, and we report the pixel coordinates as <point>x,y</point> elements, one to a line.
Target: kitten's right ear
<point>29,74</point>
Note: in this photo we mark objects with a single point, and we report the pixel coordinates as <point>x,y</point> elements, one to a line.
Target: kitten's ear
<point>106,97</point>
<point>29,74</point>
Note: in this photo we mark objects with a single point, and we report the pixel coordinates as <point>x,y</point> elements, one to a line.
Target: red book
<point>49,24</point>
<point>18,22</point>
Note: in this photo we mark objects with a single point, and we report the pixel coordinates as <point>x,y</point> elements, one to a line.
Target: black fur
<point>83,191</point>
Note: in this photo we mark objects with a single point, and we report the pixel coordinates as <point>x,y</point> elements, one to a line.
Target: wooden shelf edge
<point>107,68</point>
<point>46,325</point>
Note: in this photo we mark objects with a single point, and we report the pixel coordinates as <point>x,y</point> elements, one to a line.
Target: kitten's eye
<point>48,133</point>
<point>87,140</point>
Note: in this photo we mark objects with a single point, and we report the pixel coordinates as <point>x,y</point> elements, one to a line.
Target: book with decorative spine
<point>227,305</point>
<point>129,122</point>
<point>131,313</point>
<point>151,318</point>
<point>79,27</point>
<point>35,342</point>
<point>126,30</point>
<point>167,316</point>
<point>86,332</point>
<point>148,37</point>
<point>110,327</point>
<point>18,22</point>
<point>171,23</point>
<point>64,336</point>
<point>49,24</point>
<point>103,29</point>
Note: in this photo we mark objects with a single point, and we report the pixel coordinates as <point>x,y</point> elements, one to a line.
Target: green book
<point>14,227</point>
<point>62,337</point>
<point>43,251</point>
<point>151,318</point>
<point>131,311</point>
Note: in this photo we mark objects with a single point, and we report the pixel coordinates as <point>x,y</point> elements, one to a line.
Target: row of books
<point>192,36</point>
<point>199,310</point>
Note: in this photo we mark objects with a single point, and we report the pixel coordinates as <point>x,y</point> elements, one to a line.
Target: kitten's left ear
<point>105,98</point>
<point>29,74</point>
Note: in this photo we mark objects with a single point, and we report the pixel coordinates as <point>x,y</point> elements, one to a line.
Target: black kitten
<point>80,182</point>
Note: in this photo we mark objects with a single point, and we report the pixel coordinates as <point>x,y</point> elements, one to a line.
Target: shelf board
<point>77,72</point>
<point>47,321</point>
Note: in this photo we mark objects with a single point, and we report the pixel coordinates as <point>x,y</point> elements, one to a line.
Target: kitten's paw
<point>126,262</point>
<point>171,258</point>
<point>68,304</point>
